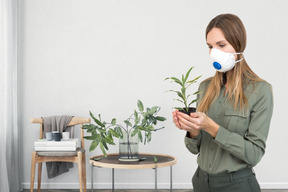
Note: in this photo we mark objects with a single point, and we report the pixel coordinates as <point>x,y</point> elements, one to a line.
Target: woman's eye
<point>210,47</point>
<point>223,45</point>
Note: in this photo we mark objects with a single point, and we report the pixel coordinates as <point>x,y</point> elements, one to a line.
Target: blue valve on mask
<point>217,65</point>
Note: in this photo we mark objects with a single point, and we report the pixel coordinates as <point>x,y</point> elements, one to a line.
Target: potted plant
<point>184,82</point>
<point>138,127</point>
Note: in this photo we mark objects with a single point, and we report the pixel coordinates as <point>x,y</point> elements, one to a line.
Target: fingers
<point>195,115</point>
<point>186,122</point>
<point>189,123</point>
<point>179,124</point>
<point>195,122</point>
<point>176,120</point>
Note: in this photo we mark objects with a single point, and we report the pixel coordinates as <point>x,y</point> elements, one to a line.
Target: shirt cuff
<point>222,135</point>
<point>192,141</point>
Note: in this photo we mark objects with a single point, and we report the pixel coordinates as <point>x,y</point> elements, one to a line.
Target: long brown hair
<point>235,33</point>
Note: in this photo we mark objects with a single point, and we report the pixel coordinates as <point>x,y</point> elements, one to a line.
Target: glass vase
<point>129,147</point>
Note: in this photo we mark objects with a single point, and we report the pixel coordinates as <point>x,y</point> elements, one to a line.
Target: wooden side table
<point>111,161</point>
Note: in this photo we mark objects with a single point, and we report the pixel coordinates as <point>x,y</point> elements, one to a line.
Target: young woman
<point>230,127</point>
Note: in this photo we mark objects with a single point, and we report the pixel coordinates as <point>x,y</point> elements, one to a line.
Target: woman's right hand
<point>191,130</point>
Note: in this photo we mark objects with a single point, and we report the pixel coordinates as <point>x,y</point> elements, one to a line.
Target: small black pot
<point>190,110</point>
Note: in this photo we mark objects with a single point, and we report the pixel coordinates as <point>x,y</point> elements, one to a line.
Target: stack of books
<point>63,145</point>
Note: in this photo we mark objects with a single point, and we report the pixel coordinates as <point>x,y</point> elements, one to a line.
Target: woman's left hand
<point>198,121</point>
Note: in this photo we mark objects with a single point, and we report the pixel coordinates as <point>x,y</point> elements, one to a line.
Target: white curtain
<point>10,171</point>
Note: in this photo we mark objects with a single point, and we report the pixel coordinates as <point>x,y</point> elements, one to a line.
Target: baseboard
<point>274,185</point>
<point>47,185</point>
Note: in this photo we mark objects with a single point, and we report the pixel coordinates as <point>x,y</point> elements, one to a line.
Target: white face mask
<point>223,61</point>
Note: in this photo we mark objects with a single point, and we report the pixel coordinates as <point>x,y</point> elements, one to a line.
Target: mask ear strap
<point>239,59</point>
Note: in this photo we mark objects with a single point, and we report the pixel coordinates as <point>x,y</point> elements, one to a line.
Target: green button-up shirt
<point>240,141</point>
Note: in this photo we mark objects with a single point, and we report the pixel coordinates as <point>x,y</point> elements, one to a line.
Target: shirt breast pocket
<point>236,122</point>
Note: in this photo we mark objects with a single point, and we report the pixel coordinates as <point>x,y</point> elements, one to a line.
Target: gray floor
<point>138,190</point>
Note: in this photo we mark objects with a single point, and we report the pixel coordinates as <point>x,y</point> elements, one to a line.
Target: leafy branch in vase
<point>141,123</point>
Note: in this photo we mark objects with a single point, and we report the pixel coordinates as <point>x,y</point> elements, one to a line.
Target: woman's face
<point>216,39</point>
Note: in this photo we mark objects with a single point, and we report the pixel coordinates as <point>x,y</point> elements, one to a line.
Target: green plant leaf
<point>108,140</point>
<point>92,116</point>
<point>149,137</point>
<point>155,159</point>
<point>128,123</point>
<point>140,128</point>
<point>135,131</point>
<point>114,133</point>
<point>109,134</point>
<point>101,130</point>
<point>94,144</point>
<point>181,101</point>
<point>90,130</point>
<point>87,126</point>
<point>150,128</point>
<point>176,80</point>
<point>187,74</point>
<point>113,122</point>
<point>195,100</point>
<point>159,118</point>
<point>140,136</point>
<point>119,131</point>
<point>194,80</point>
<point>89,137</point>
<point>140,105</point>
<point>183,91</point>
<point>136,117</point>
<point>153,110</point>
<point>152,119</point>
<point>104,144</point>
<point>103,149</point>
<point>180,95</point>
<point>197,92</point>
<point>96,120</point>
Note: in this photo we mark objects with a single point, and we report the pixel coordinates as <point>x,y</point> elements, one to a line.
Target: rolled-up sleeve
<point>193,144</point>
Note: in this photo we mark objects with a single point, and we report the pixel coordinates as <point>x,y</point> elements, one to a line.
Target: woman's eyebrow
<point>222,41</point>
<point>218,42</point>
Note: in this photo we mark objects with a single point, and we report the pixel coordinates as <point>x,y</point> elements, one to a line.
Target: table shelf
<point>112,161</point>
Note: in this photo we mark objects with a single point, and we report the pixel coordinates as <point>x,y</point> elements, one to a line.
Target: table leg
<point>171,179</point>
<point>155,177</point>
<point>92,177</point>
<point>112,179</point>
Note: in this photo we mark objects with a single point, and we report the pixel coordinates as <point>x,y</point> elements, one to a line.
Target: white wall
<point>103,55</point>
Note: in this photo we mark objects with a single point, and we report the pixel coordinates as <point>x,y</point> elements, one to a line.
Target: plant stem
<point>128,146</point>
<point>129,149</point>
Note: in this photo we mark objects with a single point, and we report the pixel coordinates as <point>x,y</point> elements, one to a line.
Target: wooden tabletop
<point>112,161</point>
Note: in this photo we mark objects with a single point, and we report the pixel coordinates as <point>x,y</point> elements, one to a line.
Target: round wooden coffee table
<point>112,161</point>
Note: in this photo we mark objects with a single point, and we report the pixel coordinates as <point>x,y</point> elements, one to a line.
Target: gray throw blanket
<point>57,123</point>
